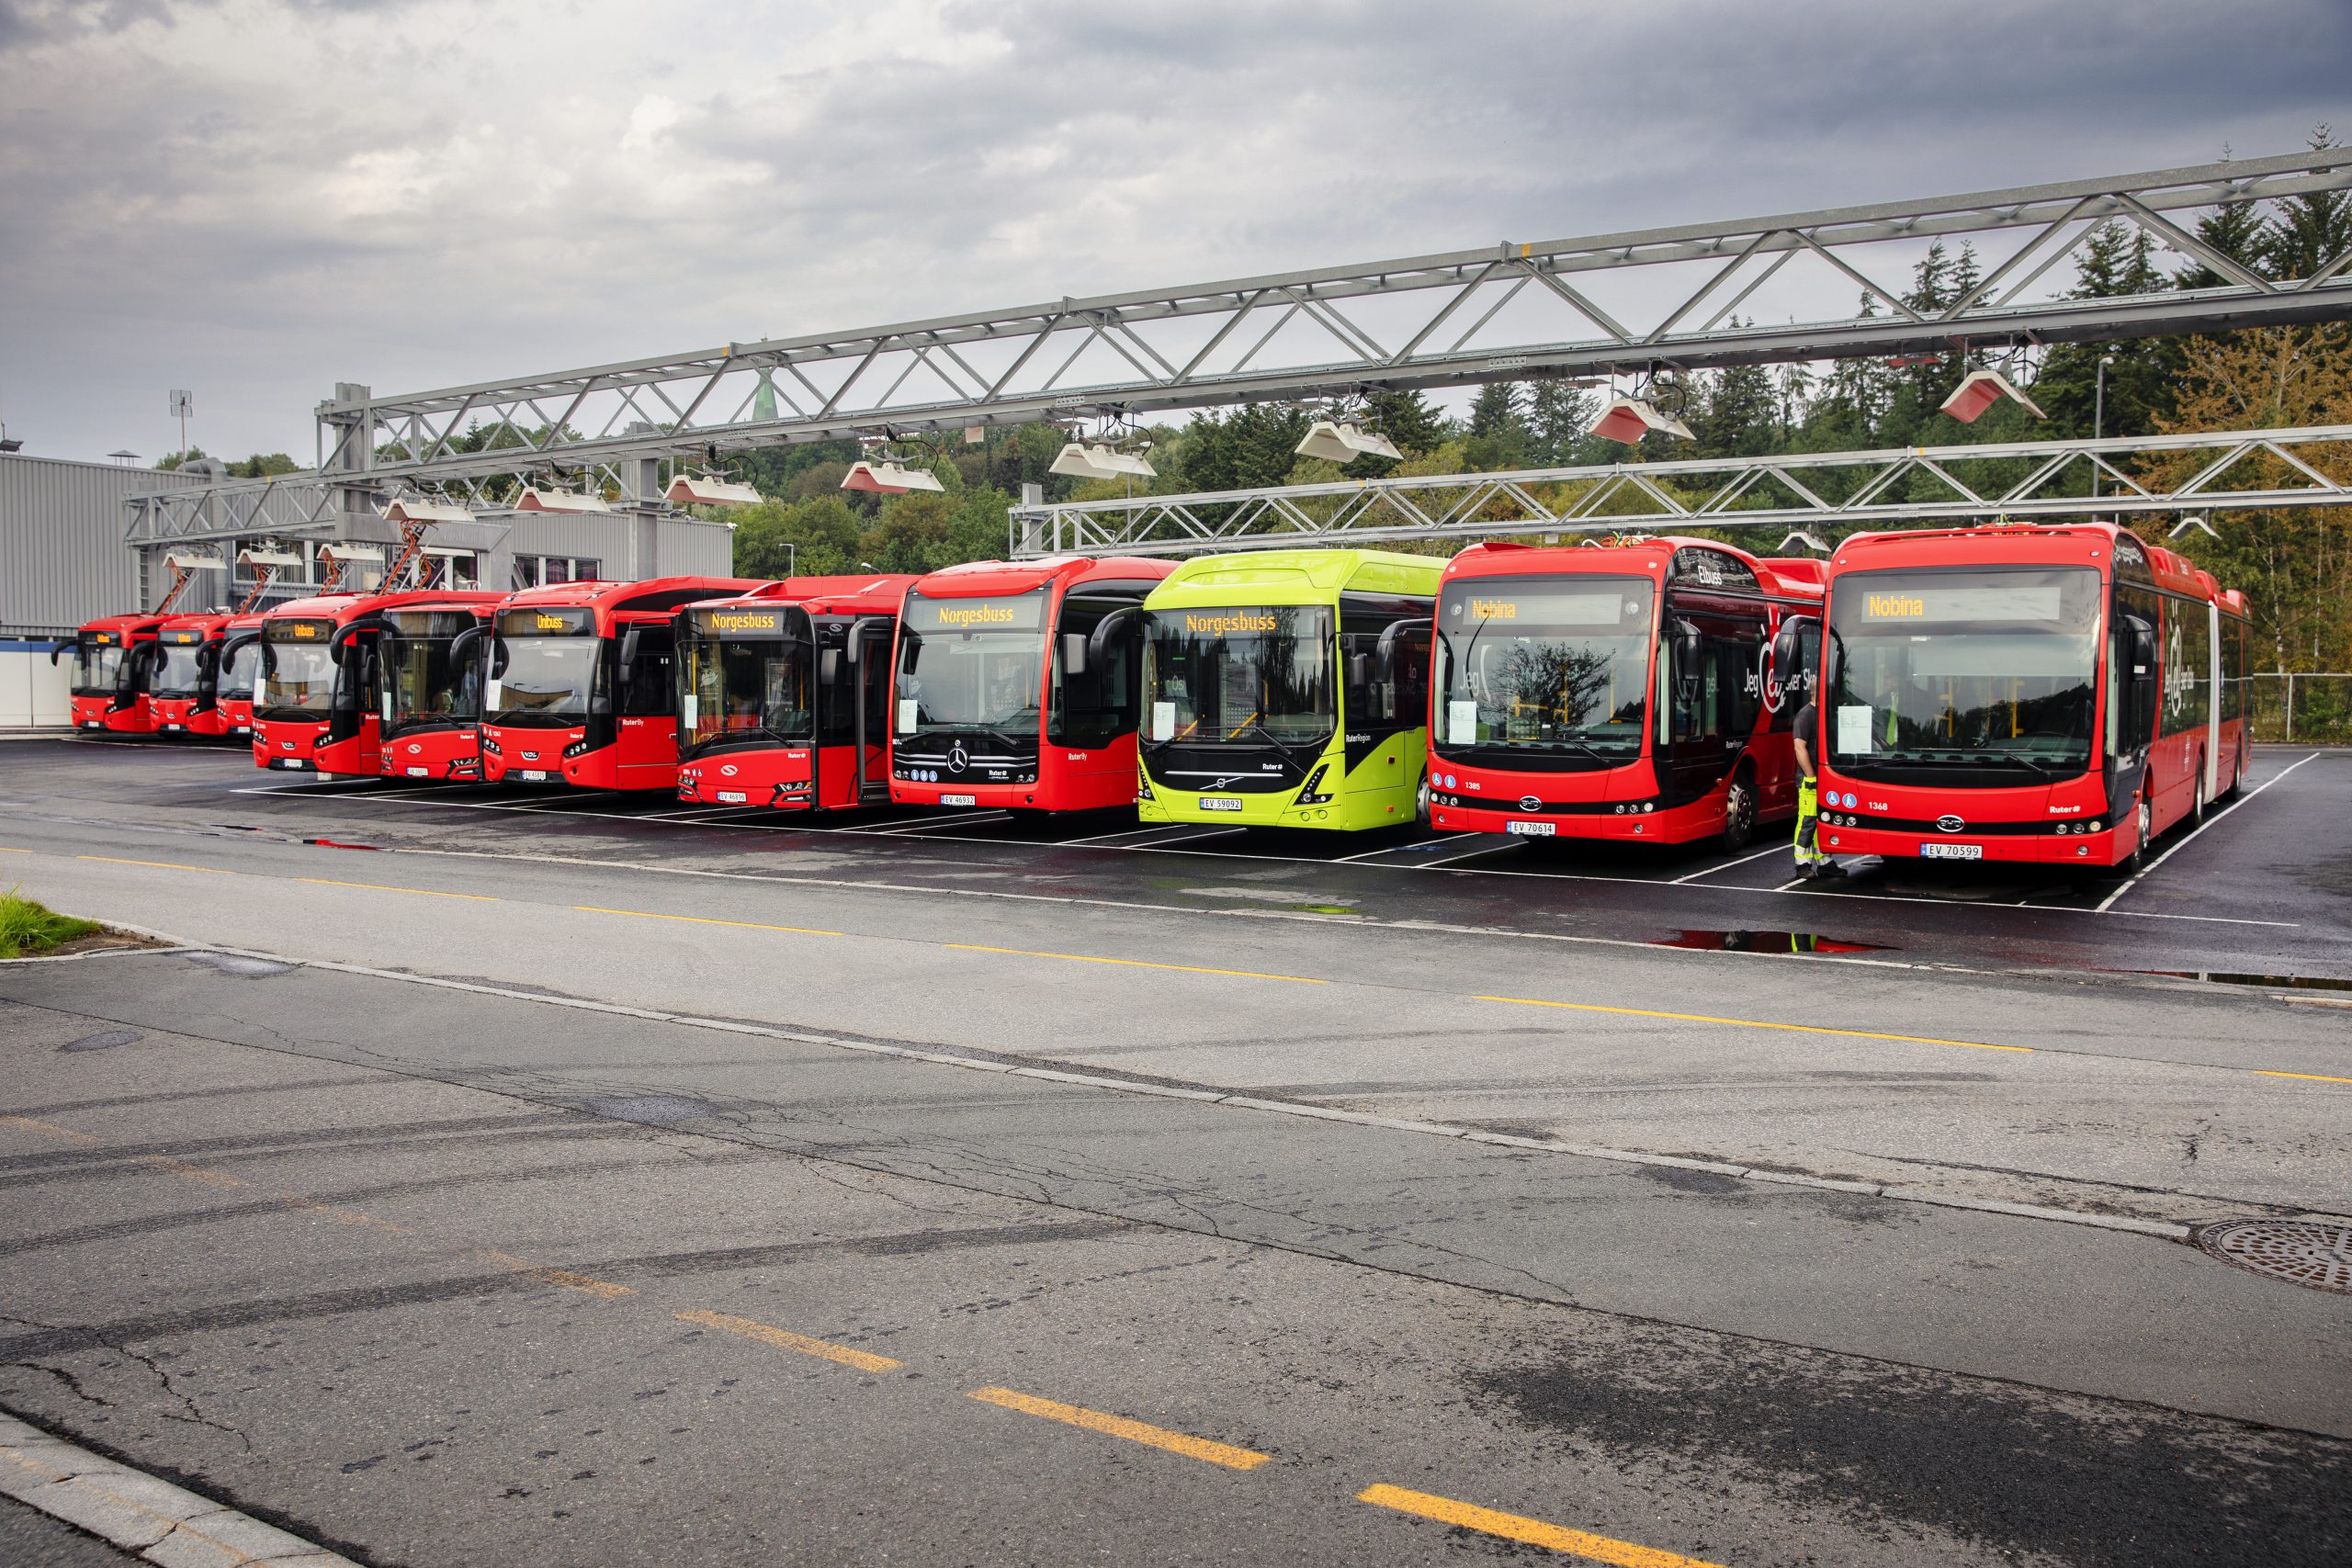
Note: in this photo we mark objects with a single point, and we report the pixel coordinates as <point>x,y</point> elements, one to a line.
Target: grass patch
<point>26,927</point>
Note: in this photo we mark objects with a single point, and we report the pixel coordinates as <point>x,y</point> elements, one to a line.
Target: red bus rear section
<point>2059,694</point>
<point>580,689</point>
<point>1019,685</point>
<point>1616,692</point>
<point>784,694</point>
<point>113,656</point>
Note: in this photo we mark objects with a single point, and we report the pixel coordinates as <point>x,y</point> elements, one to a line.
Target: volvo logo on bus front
<point>1948,823</point>
<point>958,761</point>
<point>1528,803</point>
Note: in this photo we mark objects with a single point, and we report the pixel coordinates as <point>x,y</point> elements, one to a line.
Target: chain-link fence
<point>2309,709</point>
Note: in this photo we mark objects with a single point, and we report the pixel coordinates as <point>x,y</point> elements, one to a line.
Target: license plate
<point>293,765</point>
<point>732,797</point>
<point>534,775</point>
<point>1219,803</point>
<point>171,726</point>
<point>420,772</point>
<point>960,800</point>
<point>1952,852</point>
<point>1532,829</point>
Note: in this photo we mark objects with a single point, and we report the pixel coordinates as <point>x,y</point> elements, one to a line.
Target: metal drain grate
<point>2302,1252</point>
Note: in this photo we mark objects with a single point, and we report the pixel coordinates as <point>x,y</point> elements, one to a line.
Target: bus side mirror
<point>1124,622</point>
<point>466,647</point>
<point>829,667</point>
<point>1688,648</point>
<point>2143,651</point>
<point>631,639</point>
<point>1075,646</point>
<point>497,657</point>
<point>59,652</point>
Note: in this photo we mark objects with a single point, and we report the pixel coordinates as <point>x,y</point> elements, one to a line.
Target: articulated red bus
<point>1613,691</point>
<point>2061,694</point>
<point>784,694</point>
<point>113,656</point>
<point>430,656</point>
<point>184,687</point>
<point>579,689</point>
<point>1020,685</point>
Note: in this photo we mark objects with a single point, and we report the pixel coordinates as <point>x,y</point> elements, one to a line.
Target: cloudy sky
<point>258,199</point>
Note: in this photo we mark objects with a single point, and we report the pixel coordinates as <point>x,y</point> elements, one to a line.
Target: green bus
<point>1288,689</point>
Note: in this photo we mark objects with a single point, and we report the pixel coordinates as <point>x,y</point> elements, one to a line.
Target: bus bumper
<point>2100,849</point>
<point>779,780</point>
<point>1674,827</point>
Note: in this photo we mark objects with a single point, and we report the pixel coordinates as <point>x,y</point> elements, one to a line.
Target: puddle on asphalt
<point>106,1041</point>
<point>1766,941</point>
<point>236,963</point>
<point>2275,982</point>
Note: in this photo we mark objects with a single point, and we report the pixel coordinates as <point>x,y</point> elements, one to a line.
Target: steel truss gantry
<point>2226,470</point>
<point>309,504</point>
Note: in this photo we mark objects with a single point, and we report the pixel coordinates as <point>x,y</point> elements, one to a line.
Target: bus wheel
<point>1739,812</point>
<point>2143,814</point>
<point>2197,811</point>
<point>1421,804</point>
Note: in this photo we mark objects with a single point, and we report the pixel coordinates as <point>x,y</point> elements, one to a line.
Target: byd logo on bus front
<point>1948,823</point>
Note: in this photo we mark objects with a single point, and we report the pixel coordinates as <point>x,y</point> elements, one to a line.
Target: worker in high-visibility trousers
<point>1812,861</point>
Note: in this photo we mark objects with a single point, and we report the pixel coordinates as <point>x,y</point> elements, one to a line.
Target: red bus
<point>2060,694</point>
<point>579,689</point>
<point>1613,691</point>
<point>1019,684</point>
<point>784,694</point>
<point>184,687</point>
<point>113,658</point>
<point>430,655</point>
<point>235,675</point>
<point>321,696</point>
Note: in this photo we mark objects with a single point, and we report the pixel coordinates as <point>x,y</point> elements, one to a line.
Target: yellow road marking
<point>52,1128</point>
<point>1120,1427</point>
<point>343,1216</point>
<point>1760,1023</point>
<point>784,1339</point>
<point>5,849</point>
<point>1132,962</point>
<point>159,864</point>
<point>1535,1532</point>
<point>379,888</point>
<point>2314,1078</point>
<point>564,1277</point>
<point>704,921</point>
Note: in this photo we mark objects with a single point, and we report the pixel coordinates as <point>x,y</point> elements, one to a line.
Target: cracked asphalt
<point>430,1275</point>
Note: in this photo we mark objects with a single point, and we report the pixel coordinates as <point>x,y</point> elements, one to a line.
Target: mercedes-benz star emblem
<point>1948,823</point>
<point>956,760</point>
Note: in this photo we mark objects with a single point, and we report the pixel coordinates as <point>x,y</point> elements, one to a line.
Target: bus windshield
<point>1957,670</point>
<point>424,684</point>
<point>239,660</point>
<point>733,690</point>
<point>1253,675</point>
<point>549,681</point>
<point>95,668</point>
<point>1556,672</point>
<point>974,664</point>
<point>300,679</point>
<point>175,669</point>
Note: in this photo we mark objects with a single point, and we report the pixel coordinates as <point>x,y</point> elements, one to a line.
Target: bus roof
<point>976,578</point>
<point>137,624</point>
<point>1295,575</point>
<point>1800,576</point>
<point>651,597</point>
<point>206,623</point>
<point>2015,544</point>
<point>343,608</point>
<point>825,595</point>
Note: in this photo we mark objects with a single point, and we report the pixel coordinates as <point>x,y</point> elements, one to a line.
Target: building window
<point>538,571</point>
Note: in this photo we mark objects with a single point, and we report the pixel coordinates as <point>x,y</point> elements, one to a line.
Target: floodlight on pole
<point>2194,520</point>
<point>534,499</point>
<point>889,477</point>
<point>194,561</point>
<point>1979,390</point>
<point>1627,420</point>
<point>702,489</point>
<point>1810,541</point>
<point>1342,443</point>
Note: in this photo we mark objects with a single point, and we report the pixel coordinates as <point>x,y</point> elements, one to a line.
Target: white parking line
<point>2211,817</point>
<point>954,818</point>
<point>1399,848</point>
<point>1710,871</point>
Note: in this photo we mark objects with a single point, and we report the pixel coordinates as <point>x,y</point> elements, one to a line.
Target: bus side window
<point>646,684</point>
<point>1097,695</point>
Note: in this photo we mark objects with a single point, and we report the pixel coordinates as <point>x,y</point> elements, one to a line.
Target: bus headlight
<point>1306,794</point>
